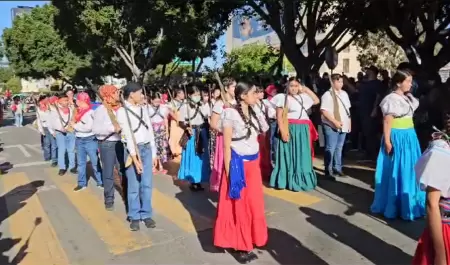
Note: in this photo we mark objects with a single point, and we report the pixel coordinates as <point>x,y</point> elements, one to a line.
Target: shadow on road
<point>202,211</point>
<point>286,249</point>
<point>363,242</point>
<point>10,203</point>
<point>360,200</point>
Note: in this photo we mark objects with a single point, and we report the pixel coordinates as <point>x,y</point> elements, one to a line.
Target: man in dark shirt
<point>369,97</point>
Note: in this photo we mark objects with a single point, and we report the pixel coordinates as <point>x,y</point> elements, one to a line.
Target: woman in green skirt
<point>293,159</point>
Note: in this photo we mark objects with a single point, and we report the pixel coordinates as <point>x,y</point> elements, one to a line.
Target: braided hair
<point>242,89</point>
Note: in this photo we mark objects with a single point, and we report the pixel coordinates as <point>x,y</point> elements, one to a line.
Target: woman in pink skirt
<point>216,117</point>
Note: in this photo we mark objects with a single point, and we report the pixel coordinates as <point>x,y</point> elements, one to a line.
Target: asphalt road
<point>42,221</point>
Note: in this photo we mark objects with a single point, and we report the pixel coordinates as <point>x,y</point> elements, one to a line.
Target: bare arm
<point>328,116</point>
<point>227,134</point>
<point>279,116</point>
<point>434,222</point>
<point>313,95</point>
<point>387,126</point>
<point>214,121</point>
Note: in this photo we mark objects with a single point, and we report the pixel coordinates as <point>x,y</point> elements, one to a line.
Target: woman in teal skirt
<point>397,192</point>
<point>293,158</point>
<point>194,166</point>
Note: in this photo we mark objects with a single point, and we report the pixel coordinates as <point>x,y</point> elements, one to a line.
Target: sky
<point>5,22</point>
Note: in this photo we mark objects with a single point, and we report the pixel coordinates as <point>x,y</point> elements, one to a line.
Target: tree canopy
<point>141,34</point>
<point>420,27</point>
<point>379,50</point>
<point>315,24</point>
<point>250,60</point>
<point>35,49</point>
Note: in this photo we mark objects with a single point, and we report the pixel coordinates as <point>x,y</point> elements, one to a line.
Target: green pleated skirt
<point>293,161</point>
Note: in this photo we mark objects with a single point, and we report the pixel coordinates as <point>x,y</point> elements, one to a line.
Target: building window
<point>346,65</point>
<point>347,50</point>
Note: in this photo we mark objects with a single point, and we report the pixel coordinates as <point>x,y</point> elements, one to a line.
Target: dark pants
<point>273,140</point>
<point>370,129</point>
<point>111,154</point>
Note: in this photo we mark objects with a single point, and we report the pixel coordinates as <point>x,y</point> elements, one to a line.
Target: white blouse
<point>433,166</point>
<point>250,146</point>
<point>157,115</point>
<point>196,117</point>
<point>218,106</point>
<point>298,105</point>
<point>399,106</point>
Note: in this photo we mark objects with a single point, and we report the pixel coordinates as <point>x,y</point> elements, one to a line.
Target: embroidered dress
<point>241,222</point>
<point>293,168</point>
<point>396,190</point>
<point>432,171</point>
<point>264,141</point>
<point>158,115</point>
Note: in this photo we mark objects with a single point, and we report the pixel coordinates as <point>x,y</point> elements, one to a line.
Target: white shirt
<point>250,146</point>
<point>56,123</point>
<point>206,110</point>
<point>343,100</point>
<point>158,114</point>
<point>42,119</point>
<point>143,135</point>
<point>103,126</point>
<point>83,128</point>
<point>267,108</point>
<point>298,105</point>
<point>195,117</point>
<point>399,106</point>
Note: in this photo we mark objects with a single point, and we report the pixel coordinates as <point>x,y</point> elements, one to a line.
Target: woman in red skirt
<point>434,244</point>
<point>241,222</point>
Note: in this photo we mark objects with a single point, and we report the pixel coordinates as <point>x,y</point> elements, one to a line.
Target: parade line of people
<point>234,139</point>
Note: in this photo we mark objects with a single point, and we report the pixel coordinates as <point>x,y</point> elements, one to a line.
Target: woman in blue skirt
<point>194,165</point>
<point>396,190</point>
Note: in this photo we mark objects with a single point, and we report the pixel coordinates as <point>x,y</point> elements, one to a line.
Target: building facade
<point>243,31</point>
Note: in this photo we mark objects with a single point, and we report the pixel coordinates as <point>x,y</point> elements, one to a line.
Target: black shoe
<point>74,170</point>
<point>62,172</point>
<point>196,187</point>
<point>340,174</point>
<point>244,257</point>
<point>149,223</point>
<point>109,207</point>
<point>54,164</point>
<point>100,186</point>
<point>330,177</point>
<point>134,225</point>
<point>79,188</point>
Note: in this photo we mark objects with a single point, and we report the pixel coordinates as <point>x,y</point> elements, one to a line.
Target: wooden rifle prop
<point>222,89</point>
<point>129,160</point>
<point>60,116</point>
<point>158,44</point>
<point>36,103</point>
<point>331,59</point>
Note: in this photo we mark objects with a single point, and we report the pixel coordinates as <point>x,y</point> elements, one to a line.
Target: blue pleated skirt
<point>195,168</point>
<point>397,192</point>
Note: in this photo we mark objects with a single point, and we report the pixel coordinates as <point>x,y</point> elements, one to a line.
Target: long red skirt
<point>264,152</point>
<point>241,224</point>
<point>425,251</point>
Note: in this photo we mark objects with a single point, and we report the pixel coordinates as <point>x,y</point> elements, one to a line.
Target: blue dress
<point>195,167</point>
<point>397,192</point>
